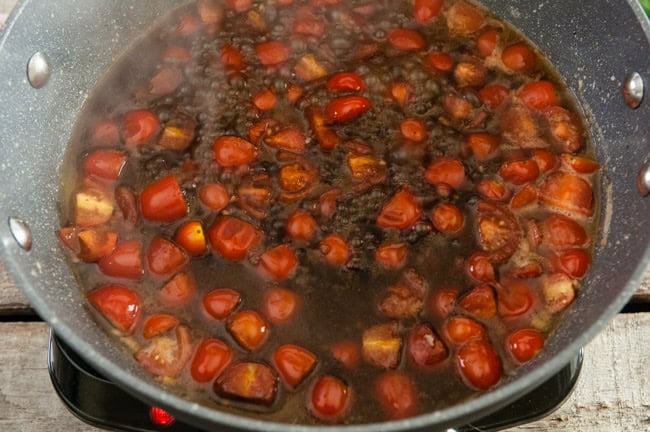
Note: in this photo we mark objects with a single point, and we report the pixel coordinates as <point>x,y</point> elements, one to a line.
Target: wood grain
<point>613,393</point>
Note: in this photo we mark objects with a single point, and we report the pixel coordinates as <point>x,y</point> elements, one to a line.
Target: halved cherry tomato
<point>157,324</point>
<point>273,52</point>
<point>165,81</point>
<point>563,232</point>
<point>464,19</point>
<point>381,345</point>
<point>479,267</point>
<point>214,196</point>
<point>392,255</point>
<point>294,93</point>
<point>212,13</point>
<point>493,95</point>
<point>526,196</point>
<point>440,61</point>
<point>401,92</point>
<point>279,263</point>
<point>567,192</point>
<point>446,171</point>
<point>546,160</point>
<point>163,201</point>
<point>105,133</point>
<point>480,301</point>
<point>308,25</point>
<point>232,238</point>
<point>443,301</point>
<point>346,108</point>
<point>538,94</point>
<point>95,244</point>
<point>580,164</point>
<point>165,356</point>
<point>487,42</point>
<point>105,164</point>
<point>293,363</point>
<point>309,68</point>
<point>515,298</point>
<point>527,270</point>
<point>248,381</point>
<point>447,218</point>
<point>498,231</point>
<point>212,356</point>
<point>301,226</point>
<point>483,146</point>
<point>519,57</point>
<point>524,344</point>
<point>176,54</point>
<point>190,236</point>
<point>493,190</point>
<point>564,128</point>
<point>425,346</point>
<point>178,291</point>
<point>220,302</point>
<point>93,205</point>
<point>559,291</point>
<point>470,74</point>
<point>330,398</point>
<point>232,56</point>
<point>280,304</point>
<point>574,262</point>
<point>401,211</point>
<point>164,257</point>
<point>413,129</point>
<point>239,5</point>
<point>519,172</point>
<point>128,204</point>
<point>248,329</point>
<point>457,107</point>
<point>120,305</point>
<point>327,203</point>
<point>125,261</point>
<point>348,353</point>
<point>139,127</point>
<point>462,329</point>
<point>290,138</point>
<point>426,10</point>
<point>345,82</point>
<point>479,364</point>
<point>335,250</point>
<point>397,395</point>
<point>188,25</point>
<point>406,40</point>
<point>232,151</point>
<point>265,100</point>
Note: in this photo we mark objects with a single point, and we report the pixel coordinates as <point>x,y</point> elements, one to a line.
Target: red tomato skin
<point>487,42</point>
<point>515,299</point>
<point>461,329</point>
<point>479,267</point>
<point>397,395</point>
<point>479,364</point>
<point>574,262</point>
<point>280,304</point>
<point>524,344</point>
<point>293,363</point>
<point>139,127</point>
<point>125,261</point>
<point>214,196</point>
<point>401,211</point>
<point>232,151</point>
<point>104,164</point>
<point>191,237</point>
<point>392,255</point>
<point>279,263</point>
<point>348,353</point>
<point>480,301</point>
<point>447,218</point>
<point>493,95</point>
<point>248,329</point>
<point>346,82</point>
<point>443,301</point>
<point>178,291</point>
<point>406,40</point>
<point>440,61</point>
<point>329,398</point>
<point>335,250</point>
<point>519,172</point>
<point>538,95</point>
<point>232,238</point>
<point>346,108</point>
<point>519,58</point>
<point>212,356</point>
<point>446,171</point>
<point>118,304</point>
<point>157,324</point>
<point>164,257</point>
<point>427,10</point>
<point>219,303</point>
<point>163,201</point>
<point>301,226</point>
<point>483,146</point>
<point>273,53</point>
<point>425,347</point>
<point>464,19</point>
<point>413,129</point>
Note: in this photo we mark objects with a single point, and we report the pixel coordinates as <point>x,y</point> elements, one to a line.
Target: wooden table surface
<point>613,392</point>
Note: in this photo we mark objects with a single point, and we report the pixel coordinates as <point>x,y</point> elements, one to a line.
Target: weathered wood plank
<point>613,393</point>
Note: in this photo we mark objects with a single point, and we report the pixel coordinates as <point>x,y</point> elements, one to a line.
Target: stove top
<point>99,402</point>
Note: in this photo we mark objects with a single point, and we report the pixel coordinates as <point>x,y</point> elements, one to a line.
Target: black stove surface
<point>100,403</point>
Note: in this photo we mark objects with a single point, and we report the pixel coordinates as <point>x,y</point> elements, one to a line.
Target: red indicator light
<point>161,417</point>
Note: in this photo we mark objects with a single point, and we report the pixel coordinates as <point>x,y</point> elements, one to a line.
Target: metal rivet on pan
<point>38,70</point>
<point>633,89</point>
<point>643,180</point>
<point>21,232</point>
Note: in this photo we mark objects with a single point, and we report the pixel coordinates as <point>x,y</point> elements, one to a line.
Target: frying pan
<point>595,45</point>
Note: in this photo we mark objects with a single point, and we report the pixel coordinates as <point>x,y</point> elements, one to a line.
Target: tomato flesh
<point>118,304</point>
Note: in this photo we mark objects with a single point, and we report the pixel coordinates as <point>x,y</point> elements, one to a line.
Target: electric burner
<point>100,403</point>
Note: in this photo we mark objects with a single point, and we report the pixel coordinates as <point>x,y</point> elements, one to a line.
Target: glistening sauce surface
<point>324,211</point>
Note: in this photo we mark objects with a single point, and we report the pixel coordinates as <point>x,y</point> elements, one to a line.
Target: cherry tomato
<point>345,82</point>
<point>166,359</point>
<point>280,304</point>
<point>580,164</point>
<point>526,271</point>
<point>348,353</point>
<point>443,301</point>
<point>273,53</point>
<point>327,203</point>
<point>563,232</point>
<point>309,68</point>
<point>526,196</point>
<point>346,108</point>
<point>479,364</point>
<point>231,56</point>
<point>479,268</point>
<point>187,26</point>
<point>176,54</point>
<point>121,306</point>
<point>335,250</point>
<point>401,211</point>
<point>546,160</point>
<point>248,381</point>
<point>248,329</point>
<point>125,261</point>
<point>279,262</point>
<point>440,61</point>
<point>166,81</point>
<point>94,244</point>
<point>291,138</point>
<point>293,363</point>
<point>480,301</point>
<point>190,236</point>
<point>567,192</point>
<point>164,257</point>
<point>458,107</point>
<point>559,291</point>
<point>232,238</point>
<point>232,151</point>
<point>515,298</point>
<point>498,231</point>
<point>392,255</point>
<point>214,196</point>
<point>519,172</point>
<point>301,226</point>
<point>139,127</point>
<point>265,100</point>
<point>294,93</point>
<point>565,129</point>
<point>426,10</point>
<point>128,204</point>
<point>381,346</point>
<point>219,303</point>
<point>178,291</point>
<point>574,262</point>
<point>239,5</point>
<point>397,394</point>
<point>493,190</point>
<point>212,356</point>
<point>425,347</point>
<point>406,40</point>
<point>487,42</point>
<point>538,95</point>
<point>482,145</point>
<point>308,25</point>
<point>524,344</point>
<point>470,74</point>
<point>401,92</point>
<point>163,201</point>
<point>330,398</point>
<point>493,95</point>
<point>461,329</point>
<point>447,218</point>
<point>105,133</point>
<point>104,164</point>
<point>519,57</point>
<point>157,324</point>
<point>212,13</point>
<point>464,19</point>
<point>446,171</point>
<point>413,129</point>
